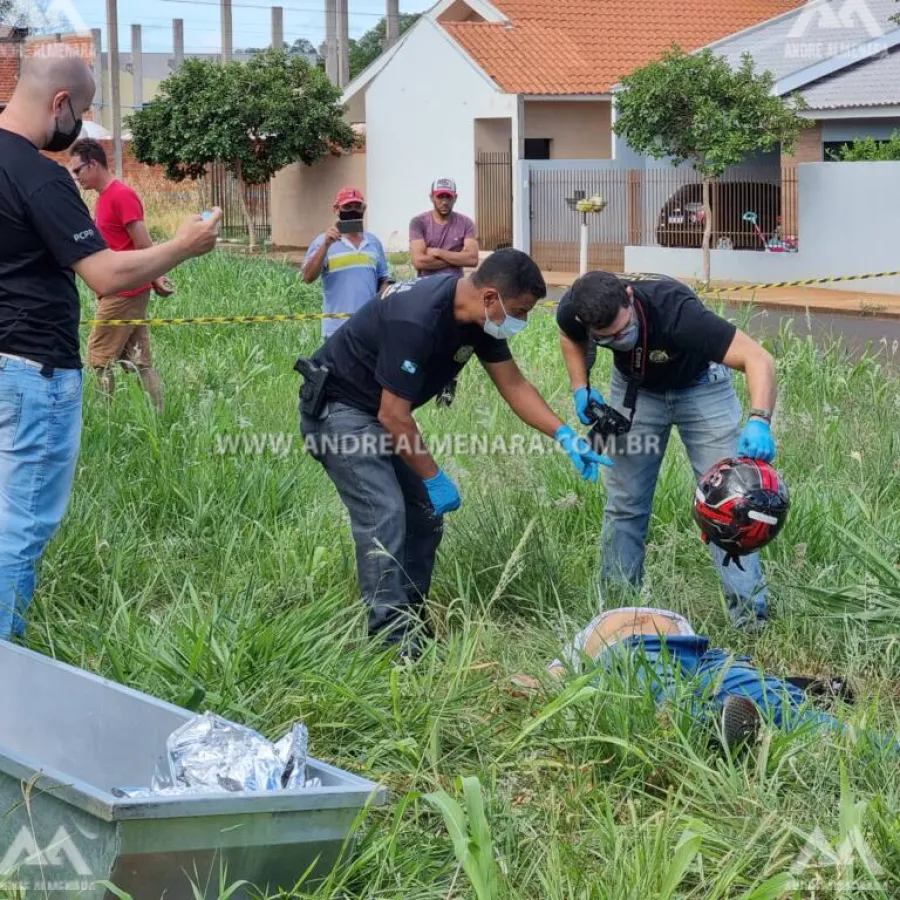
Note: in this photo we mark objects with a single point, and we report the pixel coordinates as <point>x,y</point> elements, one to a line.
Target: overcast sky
<point>252,20</point>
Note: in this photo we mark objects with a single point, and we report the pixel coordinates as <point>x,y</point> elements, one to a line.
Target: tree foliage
<point>368,48</point>
<point>300,47</point>
<point>255,118</point>
<point>870,150</point>
<point>695,108</point>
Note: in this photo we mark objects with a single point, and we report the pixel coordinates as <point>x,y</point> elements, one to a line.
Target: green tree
<point>5,9</point>
<point>370,46</point>
<point>695,108</point>
<point>255,118</point>
<point>870,150</point>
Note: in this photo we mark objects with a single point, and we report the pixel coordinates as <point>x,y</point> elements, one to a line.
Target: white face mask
<point>508,328</point>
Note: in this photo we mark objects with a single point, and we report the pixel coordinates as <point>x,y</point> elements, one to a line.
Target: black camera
<point>608,423</point>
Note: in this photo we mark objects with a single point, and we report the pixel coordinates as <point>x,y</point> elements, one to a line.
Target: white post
<point>137,67</point>
<point>583,260</point>
<point>97,36</point>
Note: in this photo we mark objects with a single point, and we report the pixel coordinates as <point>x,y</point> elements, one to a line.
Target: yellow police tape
<point>317,317</point>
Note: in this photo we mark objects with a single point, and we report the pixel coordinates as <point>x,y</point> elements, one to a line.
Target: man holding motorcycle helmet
<point>672,367</point>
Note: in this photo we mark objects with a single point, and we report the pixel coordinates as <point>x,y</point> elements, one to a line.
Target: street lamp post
<point>585,206</point>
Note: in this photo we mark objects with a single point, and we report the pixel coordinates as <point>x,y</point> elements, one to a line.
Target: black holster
<point>313,392</point>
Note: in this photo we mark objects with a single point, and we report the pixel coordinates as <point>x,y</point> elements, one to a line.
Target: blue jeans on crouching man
<point>392,519</point>
<point>40,435</point>
<point>708,417</point>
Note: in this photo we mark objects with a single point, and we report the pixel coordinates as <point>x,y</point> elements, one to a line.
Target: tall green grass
<point>228,583</point>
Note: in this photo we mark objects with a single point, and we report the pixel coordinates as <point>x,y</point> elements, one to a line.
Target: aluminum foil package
<point>209,752</point>
<point>292,751</point>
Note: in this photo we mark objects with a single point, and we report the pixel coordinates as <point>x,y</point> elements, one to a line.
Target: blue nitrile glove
<point>582,398</point>
<point>583,457</point>
<point>756,441</point>
<point>443,493</point>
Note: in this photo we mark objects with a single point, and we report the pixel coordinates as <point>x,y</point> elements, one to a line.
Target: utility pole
<point>178,42</point>
<point>332,68</point>
<point>97,36</point>
<point>343,42</point>
<point>278,27</point>
<point>112,37</point>
<point>392,32</point>
<point>227,34</point>
<point>137,66</point>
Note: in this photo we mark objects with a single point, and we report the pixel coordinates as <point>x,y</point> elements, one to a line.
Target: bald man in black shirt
<point>46,237</point>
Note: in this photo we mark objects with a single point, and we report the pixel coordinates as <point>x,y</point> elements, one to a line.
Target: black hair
<point>89,150</point>
<point>512,273</point>
<point>597,298</point>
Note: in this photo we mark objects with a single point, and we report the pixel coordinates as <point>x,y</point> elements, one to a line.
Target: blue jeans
<point>708,417</point>
<point>394,526</point>
<point>40,435</point>
<point>713,675</point>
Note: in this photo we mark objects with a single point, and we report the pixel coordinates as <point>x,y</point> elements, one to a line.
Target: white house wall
<point>420,114</point>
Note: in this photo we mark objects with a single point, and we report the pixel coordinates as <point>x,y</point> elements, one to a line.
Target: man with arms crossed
<point>441,242</point>
<point>46,235</point>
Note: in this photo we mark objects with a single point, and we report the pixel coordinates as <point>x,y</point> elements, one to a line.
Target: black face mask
<point>62,140</point>
<point>349,215</point>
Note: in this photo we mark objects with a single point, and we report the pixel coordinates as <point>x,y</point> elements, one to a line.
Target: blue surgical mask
<point>507,329</point>
<point>624,340</point>
<point>627,339</point>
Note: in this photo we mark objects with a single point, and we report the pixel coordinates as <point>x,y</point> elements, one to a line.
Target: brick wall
<point>808,148</point>
<point>62,45</point>
<point>9,68</point>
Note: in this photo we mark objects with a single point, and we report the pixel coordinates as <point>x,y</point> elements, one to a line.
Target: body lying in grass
<point>663,649</point>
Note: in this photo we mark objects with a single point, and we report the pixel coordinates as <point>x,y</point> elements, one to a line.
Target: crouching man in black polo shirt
<point>46,234</point>
<point>393,356</point>
<point>672,366</point>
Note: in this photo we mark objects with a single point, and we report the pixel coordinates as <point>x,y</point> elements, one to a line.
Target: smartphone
<point>350,226</point>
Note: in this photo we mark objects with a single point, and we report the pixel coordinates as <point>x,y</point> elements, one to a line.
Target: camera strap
<point>638,363</point>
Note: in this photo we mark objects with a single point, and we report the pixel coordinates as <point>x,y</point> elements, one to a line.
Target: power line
<point>307,9</point>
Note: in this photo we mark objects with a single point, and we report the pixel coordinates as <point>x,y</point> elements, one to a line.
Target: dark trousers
<point>392,519</point>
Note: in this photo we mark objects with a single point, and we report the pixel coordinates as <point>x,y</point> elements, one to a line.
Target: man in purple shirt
<point>441,241</point>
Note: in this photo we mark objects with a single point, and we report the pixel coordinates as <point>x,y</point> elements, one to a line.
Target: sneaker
<point>740,721</point>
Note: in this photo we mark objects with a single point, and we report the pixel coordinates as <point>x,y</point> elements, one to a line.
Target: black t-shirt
<point>45,228</point>
<point>407,342</point>
<point>683,336</point>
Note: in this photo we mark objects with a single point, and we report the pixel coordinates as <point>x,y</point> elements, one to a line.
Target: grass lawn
<point>226,581</point>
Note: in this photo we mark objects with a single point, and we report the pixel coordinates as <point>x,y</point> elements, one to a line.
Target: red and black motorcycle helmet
<point>741,505</point>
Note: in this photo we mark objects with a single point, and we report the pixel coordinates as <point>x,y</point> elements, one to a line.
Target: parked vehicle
<point>681,219</point>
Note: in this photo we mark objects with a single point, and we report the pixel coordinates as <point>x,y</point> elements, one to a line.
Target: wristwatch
<point>761,414</point>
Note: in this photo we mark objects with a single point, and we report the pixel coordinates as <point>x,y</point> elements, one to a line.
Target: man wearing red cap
<point>350,260</point>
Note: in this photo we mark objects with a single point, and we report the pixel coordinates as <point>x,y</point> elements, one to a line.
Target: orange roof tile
<point>586,46</point>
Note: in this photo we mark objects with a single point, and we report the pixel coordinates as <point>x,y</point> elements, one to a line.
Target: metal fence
<point>750,208</point>
<point>556,229</point>
<point>494,216</point>
<point>222,189</point>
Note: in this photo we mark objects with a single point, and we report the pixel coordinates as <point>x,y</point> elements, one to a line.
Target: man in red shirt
<point>120,220</point>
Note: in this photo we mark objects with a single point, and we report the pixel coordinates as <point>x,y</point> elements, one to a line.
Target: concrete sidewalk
<point>838,302</point>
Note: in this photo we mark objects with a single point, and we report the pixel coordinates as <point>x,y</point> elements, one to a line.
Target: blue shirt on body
<point>350,276</point>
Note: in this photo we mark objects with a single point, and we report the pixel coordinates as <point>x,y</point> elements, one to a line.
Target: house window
<point>537,148</point>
